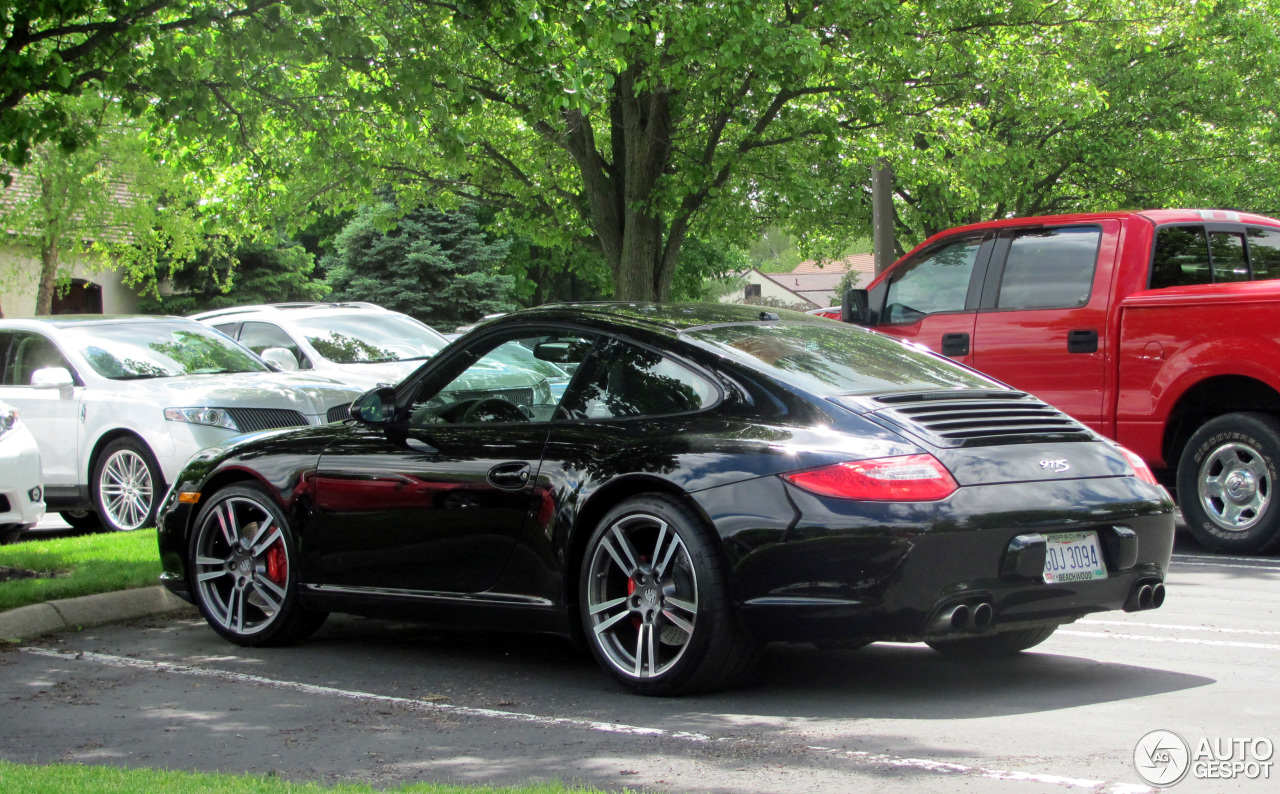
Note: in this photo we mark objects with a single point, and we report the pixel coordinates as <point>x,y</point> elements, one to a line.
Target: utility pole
<point>882,244</point>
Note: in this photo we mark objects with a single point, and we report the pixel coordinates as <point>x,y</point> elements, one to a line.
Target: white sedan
<point>119,404</point>
<point>21,489</point>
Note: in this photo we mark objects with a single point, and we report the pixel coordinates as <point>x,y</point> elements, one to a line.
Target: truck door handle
<point>955,344</point>
<point>509,476</point>
<point>1082,341</point>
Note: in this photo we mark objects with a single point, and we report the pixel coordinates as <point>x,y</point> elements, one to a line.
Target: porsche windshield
<point>132,351</point>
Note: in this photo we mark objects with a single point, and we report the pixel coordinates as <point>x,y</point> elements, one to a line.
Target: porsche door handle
<point>511,476</point>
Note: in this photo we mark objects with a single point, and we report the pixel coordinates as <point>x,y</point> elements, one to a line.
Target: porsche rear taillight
<point>905,478</point>
<point>1140,466</point>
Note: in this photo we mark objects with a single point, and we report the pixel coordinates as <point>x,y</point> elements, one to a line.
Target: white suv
<point>358,343</point>
<point>118,404</point>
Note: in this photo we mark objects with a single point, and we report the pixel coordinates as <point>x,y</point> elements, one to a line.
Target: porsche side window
<point>935,282</point>
<point>502,381</point>
<point>627,381</point>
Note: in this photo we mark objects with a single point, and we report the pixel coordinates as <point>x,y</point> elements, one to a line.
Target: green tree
<point>54,49</point>
<point>252,273</point>
<point>435,265</point>
<point>632,126</point>
<point>1182,116</point>
<point>109,203</point>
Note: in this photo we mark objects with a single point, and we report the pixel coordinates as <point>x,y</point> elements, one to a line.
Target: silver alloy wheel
<point>241,566</point>
<point>1234,486</point>
<point>126,490</point>
<point>643,605</point>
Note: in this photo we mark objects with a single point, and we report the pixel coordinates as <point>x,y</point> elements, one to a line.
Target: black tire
<point>254,602</point>
<point>83,520</point>
<point>8,536</point>
<point>127,485</point>
<point>993,646</point>
<point>687,650</point>
<point>1228,483</point>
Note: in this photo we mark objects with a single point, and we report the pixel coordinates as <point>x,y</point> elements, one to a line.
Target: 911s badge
<point>1056,464</point>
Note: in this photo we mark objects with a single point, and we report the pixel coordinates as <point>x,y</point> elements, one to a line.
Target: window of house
<point>753,291</point>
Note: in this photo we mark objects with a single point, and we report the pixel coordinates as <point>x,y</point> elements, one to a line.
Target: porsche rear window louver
<point>251,420</point>
<point>974,419</point>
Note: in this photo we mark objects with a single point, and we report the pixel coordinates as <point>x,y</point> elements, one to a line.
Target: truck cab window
<point>1181,257</point>
<point>1229,263</point>
<point>1264,252</point>
<point>1050,268</point>
<point>936,282</point>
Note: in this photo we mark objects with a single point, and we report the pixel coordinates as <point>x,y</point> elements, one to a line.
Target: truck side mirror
<point>855,308</point>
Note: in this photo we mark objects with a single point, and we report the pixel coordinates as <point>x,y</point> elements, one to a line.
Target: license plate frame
<point>1073,557</point>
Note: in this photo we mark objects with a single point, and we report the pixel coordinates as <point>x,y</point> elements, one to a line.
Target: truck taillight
<point>1140,467</point>
<point>907,478</point>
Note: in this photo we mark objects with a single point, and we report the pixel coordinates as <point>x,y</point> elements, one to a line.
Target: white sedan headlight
<point>9,419</point>
<point>213,417</point>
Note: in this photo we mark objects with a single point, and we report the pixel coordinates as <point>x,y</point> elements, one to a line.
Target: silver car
<point>117,405</point>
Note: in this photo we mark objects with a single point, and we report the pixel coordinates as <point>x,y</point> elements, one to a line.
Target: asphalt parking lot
<point>388,703</point>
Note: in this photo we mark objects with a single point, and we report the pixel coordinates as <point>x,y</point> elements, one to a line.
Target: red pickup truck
<point>1159,329</point>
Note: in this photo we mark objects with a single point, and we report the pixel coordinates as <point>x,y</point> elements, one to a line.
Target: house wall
<point>768,289</point>
<point>19,272</point>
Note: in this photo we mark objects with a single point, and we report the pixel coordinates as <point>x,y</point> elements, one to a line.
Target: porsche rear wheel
<point>655,604</point>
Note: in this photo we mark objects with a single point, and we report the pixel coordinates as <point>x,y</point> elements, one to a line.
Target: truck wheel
<point>1226,483</point>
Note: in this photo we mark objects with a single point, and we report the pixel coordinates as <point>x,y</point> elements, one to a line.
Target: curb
<point>31,621</point>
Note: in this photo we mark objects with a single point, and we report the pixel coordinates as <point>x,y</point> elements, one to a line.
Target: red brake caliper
<point>631,590</point>
<point>277,563</point>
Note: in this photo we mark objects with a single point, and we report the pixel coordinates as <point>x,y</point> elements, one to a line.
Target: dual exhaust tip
<point>1145,595</point>
<point>965,618</point>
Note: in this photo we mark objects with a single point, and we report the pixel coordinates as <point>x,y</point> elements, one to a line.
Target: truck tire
<point>1227,481</point>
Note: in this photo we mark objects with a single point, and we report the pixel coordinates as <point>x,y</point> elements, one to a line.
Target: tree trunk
<point>620,194</point>
<point>48,277</point>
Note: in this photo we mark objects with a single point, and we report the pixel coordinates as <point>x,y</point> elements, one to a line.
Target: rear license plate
<point>1073,557</point>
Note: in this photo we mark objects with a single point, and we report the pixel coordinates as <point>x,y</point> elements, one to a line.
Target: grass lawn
<point>91,564</point>
<point>63,778</point>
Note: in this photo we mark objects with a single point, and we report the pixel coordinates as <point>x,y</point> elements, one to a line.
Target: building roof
<point>863,263</point>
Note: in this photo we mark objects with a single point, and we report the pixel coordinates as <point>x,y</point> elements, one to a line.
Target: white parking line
<point>869,759</point>
<point>1135,625</point>
<point>1100,635</point>
<point>1225,557</point>
<point>1275,568</point>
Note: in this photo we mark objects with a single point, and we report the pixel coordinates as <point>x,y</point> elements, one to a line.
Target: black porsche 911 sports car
<point>713,478</point>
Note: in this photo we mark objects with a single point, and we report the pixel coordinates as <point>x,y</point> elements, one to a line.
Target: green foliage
<point>704,269</point>
<point>56,49</point>
<point>635,125</point>
<point>555,273</point>
<point>252,273</point>
<point>435,265</point>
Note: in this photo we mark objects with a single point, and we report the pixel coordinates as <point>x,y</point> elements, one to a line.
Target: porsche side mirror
<point>375,407</point>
